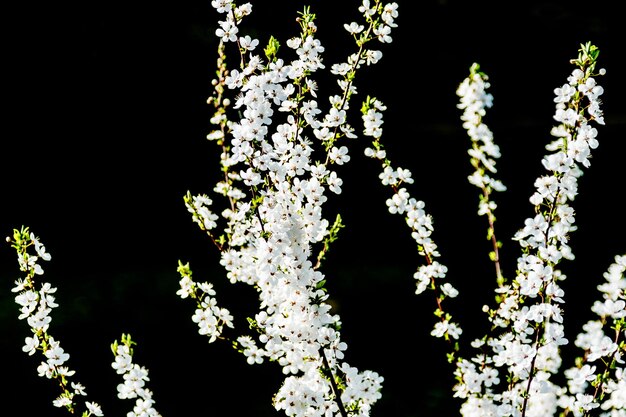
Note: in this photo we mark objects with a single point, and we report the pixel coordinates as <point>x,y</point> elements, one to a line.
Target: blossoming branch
<point>282,143</point>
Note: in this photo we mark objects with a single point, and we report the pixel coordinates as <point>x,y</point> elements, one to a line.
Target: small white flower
<point>30,345</point>
<point>449,290</point>
<point>248,43</point>
<point>62,401</point>
<point>94,409</point>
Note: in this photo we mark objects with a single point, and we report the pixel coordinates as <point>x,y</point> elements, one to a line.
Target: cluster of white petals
<point>432,273</point>
<point>134,385</point>
<point>276,189</point>
<point>209,317</point>
<point>474,100</point>
<point>280,159</point>
<point>603,354</point>
<point>35,306</point>
<point>530,310</point>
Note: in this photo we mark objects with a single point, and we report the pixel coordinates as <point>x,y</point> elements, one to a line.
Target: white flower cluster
<point>474,100</point>
<point>135,378</point>
<point>210,318</point>
<point>36,305</point>
<point>199,207</point>
<point>275,183</point>
<point>602,340</point>
<point>273,227</point>
<point>420,223</point>
<point>530,314</point>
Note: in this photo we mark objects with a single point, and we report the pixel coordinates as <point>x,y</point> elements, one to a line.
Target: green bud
<point>271,50</point>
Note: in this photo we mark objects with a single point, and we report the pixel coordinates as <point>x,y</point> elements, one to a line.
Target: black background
<point>105,121</point>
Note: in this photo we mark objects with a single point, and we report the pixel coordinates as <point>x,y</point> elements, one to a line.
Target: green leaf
<point>271,50</point>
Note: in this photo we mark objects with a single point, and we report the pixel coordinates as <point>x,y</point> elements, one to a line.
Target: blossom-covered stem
<point>273,227</point>
<point>573,148</point>
<point>429,275</point>
<point>210,318</point>
<point>474,100</point>
<point>540,327</point>
<point>358,58</point>
<point>529,310</point>
<point>36,305</point>
<point>135,378</point>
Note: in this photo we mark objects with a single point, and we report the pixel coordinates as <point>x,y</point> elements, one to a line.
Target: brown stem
<point>494,241</point>
<point>333,384</point>
<point>532,370</point>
